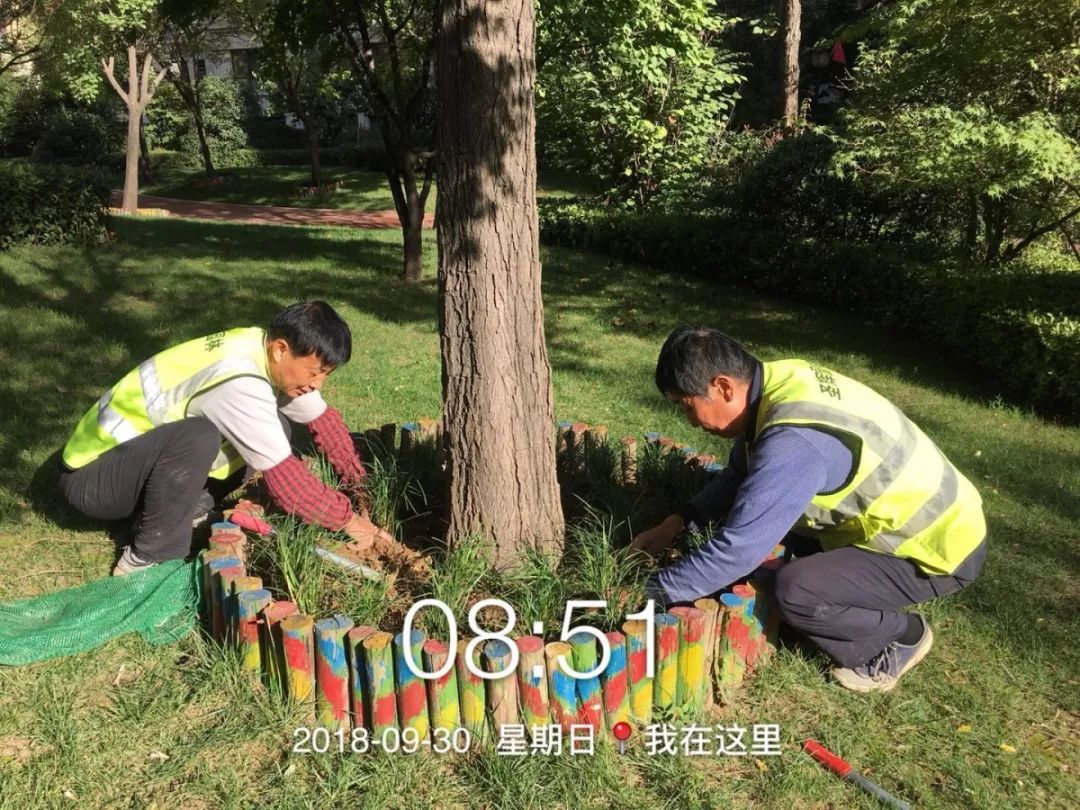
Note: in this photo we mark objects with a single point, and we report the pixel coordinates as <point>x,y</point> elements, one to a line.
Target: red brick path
<point>270,214</point>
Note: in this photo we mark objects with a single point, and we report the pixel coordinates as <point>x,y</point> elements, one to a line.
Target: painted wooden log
<point>692,679</point>
<point>638,645</point>
<point>411,693</point>
<point>502,695</point>
<point>590,696</point>
<point>628,461</point>
<point>614,681</point>
<point>297,639</point>
<point>226,581</point>
<point>666,682</point>
<point>766,577</point>
<point>370,440</point>
<point>575,447</point>
<point>248,605</point>
<point>217,604</point>
<point>408,440</point>
<point>379,666</point>
<point>206,592</point>
<point>442,693</point>
<point>562,690</point>
<point>388,439</point>
<point>233,542</point>
<point>224,527</point>
<point>754,624</point>
<point>562,452</point>
<point>735,641</point>
<point>710,608</point>
<point>471,692</point>
<point>358,691</point>
<point>240,585</point>
<point>595,438</point>
<point>532,682</point>
<point>272,648</point>
<point>759,619</point>
<point>332,673</point>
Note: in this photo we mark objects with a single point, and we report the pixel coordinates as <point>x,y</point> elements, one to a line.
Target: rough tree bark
<point>497,400</point>
<point>138,95</point>
<point>791,31</point>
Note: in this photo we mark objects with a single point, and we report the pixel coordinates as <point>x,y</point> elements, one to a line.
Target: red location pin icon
<point>622,732</point>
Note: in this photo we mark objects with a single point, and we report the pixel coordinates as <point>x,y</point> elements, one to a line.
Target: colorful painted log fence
<point>576,444</point>
<point>357,676</point>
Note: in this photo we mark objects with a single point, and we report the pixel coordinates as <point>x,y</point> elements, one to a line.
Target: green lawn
<point>989,720</point>
<point>279,185</point>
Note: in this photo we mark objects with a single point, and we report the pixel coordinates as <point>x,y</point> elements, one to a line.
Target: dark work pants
<point>160,476</point>
<point>846,600</point>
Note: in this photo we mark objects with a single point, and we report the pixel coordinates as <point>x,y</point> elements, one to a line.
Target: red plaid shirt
<point>297,491</point>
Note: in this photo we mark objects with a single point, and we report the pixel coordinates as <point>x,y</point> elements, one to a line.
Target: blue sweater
<point>757,505</point>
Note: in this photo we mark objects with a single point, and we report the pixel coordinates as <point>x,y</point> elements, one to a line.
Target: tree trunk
<point>144,152</point>
<point>204,144</point>
<point>791,30</point>
<point>994,222</point>
<point>313,152</point>
<point>971,229</point>
<point>412,227</point>
<point>412,234</point>
<point>130,203</point>
<point>497,400</point>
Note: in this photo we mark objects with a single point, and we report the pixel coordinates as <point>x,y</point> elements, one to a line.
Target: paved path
<point>270,214</point>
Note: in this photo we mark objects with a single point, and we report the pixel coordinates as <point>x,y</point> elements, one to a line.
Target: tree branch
<point>109,66</point>
<point>361,57</point>
<point>144,81</point>
<point>1015,249</point>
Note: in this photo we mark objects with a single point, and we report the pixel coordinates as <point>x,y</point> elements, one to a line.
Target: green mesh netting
<point>160,604</point>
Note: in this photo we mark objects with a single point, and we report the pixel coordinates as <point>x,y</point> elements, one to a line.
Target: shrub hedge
<point>1019,325</point>
<point>51,205</point>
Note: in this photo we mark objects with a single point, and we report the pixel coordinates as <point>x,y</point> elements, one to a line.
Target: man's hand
<point>655,540</point>
<point>365,534</point>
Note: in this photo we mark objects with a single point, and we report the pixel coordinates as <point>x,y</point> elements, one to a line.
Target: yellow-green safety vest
<point>160,389</point>
<point>903,496</point>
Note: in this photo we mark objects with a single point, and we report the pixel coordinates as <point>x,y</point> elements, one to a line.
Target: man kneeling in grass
<point>184,428</point>
<point>876,515</point>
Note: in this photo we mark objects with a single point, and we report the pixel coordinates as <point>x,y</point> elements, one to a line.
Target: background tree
<point>299,59</point>
<point>634,95</point>
<point>84,36</point>
<point>791,32</point>
<point>949,101</point>
<point>391,45</point>
<point>24,25</point>
<point>497,401</point>
<point>188,32</point>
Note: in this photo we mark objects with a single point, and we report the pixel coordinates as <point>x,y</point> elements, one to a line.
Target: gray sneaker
<point>881,673</point>
<point>130,562</point>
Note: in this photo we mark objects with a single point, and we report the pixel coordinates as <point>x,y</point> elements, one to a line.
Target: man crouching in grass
<point>185,428</point>
<point>877,516</point>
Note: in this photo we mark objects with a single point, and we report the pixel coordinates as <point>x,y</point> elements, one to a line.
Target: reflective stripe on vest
<point>903,497</point>
<point>159,390</point>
